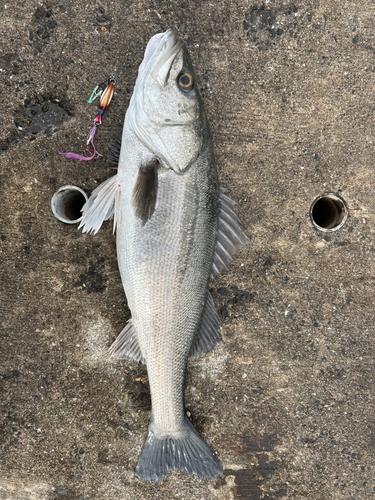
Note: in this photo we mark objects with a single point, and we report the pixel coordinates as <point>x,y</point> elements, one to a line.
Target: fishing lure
<point>105,94</point>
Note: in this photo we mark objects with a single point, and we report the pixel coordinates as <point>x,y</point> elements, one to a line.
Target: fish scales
<point>175,230</point>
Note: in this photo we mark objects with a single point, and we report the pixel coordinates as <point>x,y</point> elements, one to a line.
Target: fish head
<point>166,112</point>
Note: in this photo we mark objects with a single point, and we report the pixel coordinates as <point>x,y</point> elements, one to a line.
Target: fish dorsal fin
<point>208,333</point>
<point>101,205</point>
<point>113,152</point>
<point>126,346</point>
<point>145,191</point>
<point>230,235</point>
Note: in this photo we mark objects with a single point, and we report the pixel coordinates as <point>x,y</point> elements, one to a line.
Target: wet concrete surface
<point>286,400</point>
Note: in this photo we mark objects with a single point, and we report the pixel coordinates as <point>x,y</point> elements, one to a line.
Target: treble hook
<point>102,89</point>
<point>95,94</point>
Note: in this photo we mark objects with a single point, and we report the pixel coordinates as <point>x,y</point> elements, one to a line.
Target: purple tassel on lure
<point>89,148</point>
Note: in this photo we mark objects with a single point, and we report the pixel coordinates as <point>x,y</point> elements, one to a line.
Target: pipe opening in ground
<point>328,212</point>
<point>67,204</point>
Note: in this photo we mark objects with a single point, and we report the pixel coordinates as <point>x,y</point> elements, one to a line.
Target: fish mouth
<point>159,55</point>
<point>163,41</point>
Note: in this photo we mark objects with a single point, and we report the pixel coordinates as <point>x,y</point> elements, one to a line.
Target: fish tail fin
<point>187,452</point>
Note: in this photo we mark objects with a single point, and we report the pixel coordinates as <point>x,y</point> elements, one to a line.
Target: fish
<point>176,230</point>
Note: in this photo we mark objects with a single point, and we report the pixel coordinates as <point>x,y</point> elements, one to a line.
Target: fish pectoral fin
<point>126,346</point>
<point>145,191</point>
<point>101,205</point>
<point>230,235</point>
<point>208,333</point>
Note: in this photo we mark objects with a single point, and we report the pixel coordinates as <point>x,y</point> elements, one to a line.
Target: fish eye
<point>185,81</point>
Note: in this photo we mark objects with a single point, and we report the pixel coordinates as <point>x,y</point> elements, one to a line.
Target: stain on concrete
<point>42,114</point>
<point>228,298</point>
<point>93,280</point>
<point>265,23</point>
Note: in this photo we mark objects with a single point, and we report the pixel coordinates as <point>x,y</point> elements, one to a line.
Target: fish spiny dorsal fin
<point>145,191</point>
<point>113,152</point>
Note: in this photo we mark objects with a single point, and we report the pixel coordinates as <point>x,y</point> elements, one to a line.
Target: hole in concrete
<point>67,203</point>
<point>328,212</point>
<point>73,206</point>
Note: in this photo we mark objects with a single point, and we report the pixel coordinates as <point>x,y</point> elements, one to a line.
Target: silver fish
<point>176,230</point>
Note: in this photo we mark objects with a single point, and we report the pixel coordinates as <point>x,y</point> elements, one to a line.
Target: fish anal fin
<point>126,345</point>
<point>230,235</point>
<point>208,333</point>
<point>145,191</point>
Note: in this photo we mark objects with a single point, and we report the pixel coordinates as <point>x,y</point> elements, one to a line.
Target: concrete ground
<point>287,399</point>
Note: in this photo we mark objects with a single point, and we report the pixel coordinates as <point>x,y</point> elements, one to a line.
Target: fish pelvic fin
<point>102,205</point>
<point>126,346</point>
<point>208,333</point>
<point>186,453</point>
<point>230,235</point>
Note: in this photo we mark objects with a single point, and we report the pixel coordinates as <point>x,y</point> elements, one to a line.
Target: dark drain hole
<point>328,212</point>
<point>73,205</point>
